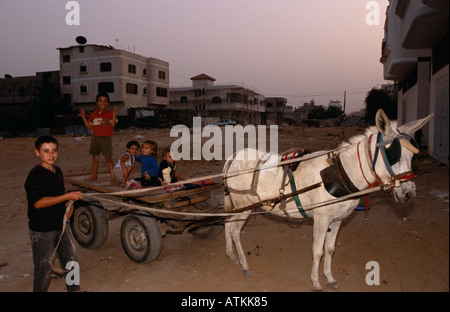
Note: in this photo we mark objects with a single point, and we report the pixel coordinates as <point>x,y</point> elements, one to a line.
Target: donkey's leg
<point>229,240</point>
<point>320,230</point>
<point>330,241</point>
<point>235,230</point>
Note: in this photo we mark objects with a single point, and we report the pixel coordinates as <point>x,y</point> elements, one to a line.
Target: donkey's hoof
<point>316,289</point>
<point>246,273</point>
<point>234,261</point>
<point>333,285</point>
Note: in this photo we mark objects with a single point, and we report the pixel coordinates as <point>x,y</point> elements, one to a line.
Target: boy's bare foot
<point>92,178</point>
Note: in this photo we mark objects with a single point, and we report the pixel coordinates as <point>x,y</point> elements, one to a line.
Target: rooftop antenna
<point>117,43</point>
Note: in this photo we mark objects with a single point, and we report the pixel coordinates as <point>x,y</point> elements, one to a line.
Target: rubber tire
<point>141,238</point>
<point>89,225</point>
<point>207,232</point>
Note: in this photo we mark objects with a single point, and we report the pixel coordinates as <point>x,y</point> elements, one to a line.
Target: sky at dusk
<point>297,49</point>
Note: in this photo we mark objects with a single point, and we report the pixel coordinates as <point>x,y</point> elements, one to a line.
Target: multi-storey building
<point>231,101</point>
<point>26,89</point>
<point>131,80</point>
<point>278,112</point>
<point>415,54</point>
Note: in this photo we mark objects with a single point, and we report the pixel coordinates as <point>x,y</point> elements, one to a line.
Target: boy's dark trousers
<point>43,244</point>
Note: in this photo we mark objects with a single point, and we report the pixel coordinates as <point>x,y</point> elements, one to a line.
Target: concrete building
<point>335,103</point>
<point>278,112</point>
<point>131,80</point>
<point>415,55</point>
<point>301,113</point>
<point>225,101</point>
<point>25,89</point>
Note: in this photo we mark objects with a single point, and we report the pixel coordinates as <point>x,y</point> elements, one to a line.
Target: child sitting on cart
<point>168,174</point>
<point>123,171</point>
<point>149,165</point>
<point>167,171</point>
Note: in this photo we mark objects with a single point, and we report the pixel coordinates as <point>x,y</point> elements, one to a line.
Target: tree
<point>376,99</point>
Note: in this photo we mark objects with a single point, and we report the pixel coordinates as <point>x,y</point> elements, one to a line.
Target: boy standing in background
<point>102,122</point>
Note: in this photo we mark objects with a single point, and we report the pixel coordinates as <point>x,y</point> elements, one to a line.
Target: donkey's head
<point>397,149</point>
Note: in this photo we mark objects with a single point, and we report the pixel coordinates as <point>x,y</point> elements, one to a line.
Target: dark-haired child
<point>46,210</point>
<point>123,170</point>
<point>102,122</point>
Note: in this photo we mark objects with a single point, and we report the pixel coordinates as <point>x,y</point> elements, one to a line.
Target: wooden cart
<point>147,218</point>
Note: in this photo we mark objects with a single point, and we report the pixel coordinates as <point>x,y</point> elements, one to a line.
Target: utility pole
<point>345,99</point>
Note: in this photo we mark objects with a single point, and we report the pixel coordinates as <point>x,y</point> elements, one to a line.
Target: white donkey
<point>382,156</point>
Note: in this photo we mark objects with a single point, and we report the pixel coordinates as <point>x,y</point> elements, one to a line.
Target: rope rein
<point>375,186</point>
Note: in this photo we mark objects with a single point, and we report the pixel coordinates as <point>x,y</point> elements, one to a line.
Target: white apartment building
<point>226,101</point>
<point>415,54</point>
<point>131,80</point>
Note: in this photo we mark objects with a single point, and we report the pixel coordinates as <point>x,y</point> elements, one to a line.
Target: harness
<point>337,182</point>
<point>288,170</point>
<point>334,177</point>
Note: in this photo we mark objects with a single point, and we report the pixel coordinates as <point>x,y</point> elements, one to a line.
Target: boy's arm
<point>86,123</point>
<point>114,119</point>
<point>45,202</point>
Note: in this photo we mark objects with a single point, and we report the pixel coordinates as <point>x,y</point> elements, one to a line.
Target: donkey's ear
<point>413,126</point>
<point>384,124</point>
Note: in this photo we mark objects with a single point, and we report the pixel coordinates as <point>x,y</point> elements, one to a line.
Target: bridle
<point>390,156</point>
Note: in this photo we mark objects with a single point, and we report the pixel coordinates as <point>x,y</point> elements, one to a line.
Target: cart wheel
<point>89,225</point>
<point>207,231</point>
<point>141,238</point>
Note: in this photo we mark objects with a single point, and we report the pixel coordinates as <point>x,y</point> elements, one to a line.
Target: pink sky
<point>298,49</point>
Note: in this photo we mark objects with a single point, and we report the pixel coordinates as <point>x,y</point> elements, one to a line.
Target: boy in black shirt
<point>46,209</point>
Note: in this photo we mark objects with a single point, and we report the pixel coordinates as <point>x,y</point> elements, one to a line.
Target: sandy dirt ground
<point>410,243</point>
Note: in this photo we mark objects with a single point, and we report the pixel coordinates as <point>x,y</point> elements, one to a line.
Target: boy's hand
<point>83,113</point>
<point>115,111</point>
<point>75,195</point>
<point>147,176</point>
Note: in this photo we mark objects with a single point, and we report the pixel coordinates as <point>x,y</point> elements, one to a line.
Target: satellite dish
<point>81,40</point>
<point>7,76</point>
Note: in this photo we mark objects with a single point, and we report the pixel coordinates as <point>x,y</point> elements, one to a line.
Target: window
<point>107,87</point>
<point>145,91</point>
<point>131,88</point>
<point>105,67</point>
<point>83,68</point>
<point>22,90</point>
<point>83,89</point>
<point>184,99</point>
<point>216,99</point>
<point>81,49</point>
<point>66,80</point>
<point>162,75</point>
<point>132,68</point>
<point>66,58</point>
<point>144,71</point>
<point>162,92</point>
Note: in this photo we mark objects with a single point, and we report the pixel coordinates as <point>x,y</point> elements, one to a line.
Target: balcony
<point>426,27</point>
